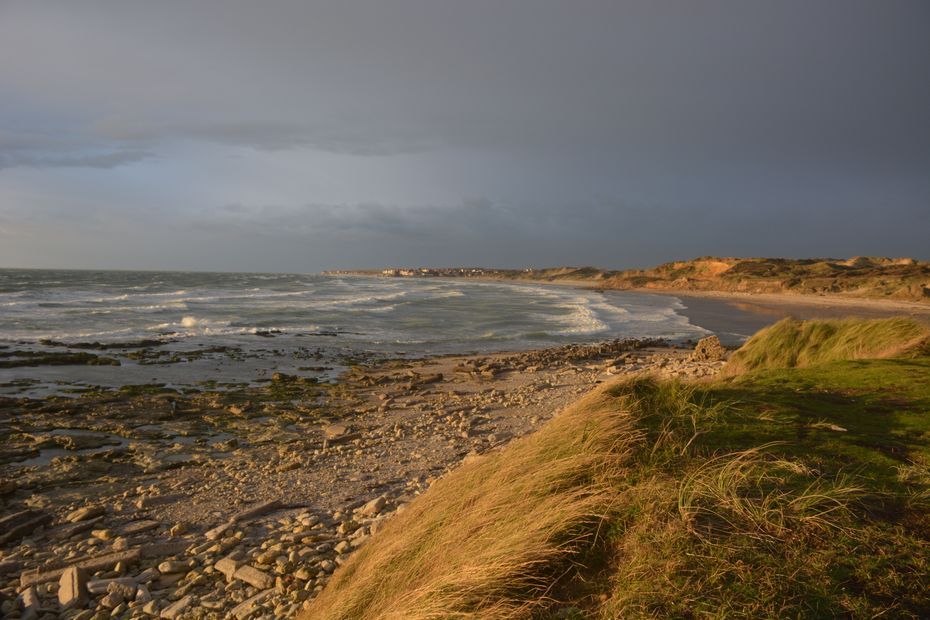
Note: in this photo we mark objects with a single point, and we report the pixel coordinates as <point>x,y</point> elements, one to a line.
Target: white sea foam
<point>582,318</point>
<point>350,302</point>
<point>190,326</point>
<point>366,311</point>
<point>80,296</point>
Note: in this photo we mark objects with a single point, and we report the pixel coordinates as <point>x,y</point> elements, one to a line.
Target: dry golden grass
<point>650,499</point>
<point>746,491</point>
<point>867,277</point>
<point>490,539</point>
<point>791,343</point>
<point>502,537</point>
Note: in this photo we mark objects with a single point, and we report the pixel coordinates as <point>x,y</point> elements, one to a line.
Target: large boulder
<point>709,350</point>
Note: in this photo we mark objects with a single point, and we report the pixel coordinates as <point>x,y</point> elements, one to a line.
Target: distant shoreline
<point>736,316</point>
<point>892,282</point>
<point>800,299</point>
<point>732,316</point>
<point>825,302</point>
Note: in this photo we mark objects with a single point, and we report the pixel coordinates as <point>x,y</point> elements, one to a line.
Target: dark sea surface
<point>239,327</point>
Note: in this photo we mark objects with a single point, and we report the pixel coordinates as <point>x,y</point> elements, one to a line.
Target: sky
<point>300,136</point>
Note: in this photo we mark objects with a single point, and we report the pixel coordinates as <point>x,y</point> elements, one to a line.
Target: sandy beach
<point>736,316</point>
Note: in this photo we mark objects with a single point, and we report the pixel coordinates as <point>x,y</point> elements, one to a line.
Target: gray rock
<point>100,586</point>
<point>709,350</point>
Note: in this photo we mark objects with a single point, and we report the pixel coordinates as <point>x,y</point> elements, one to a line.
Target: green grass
<point>792,343</point>
<point>800,490</point>
<point>807,494</point>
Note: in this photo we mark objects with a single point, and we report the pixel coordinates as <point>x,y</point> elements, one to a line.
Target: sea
<point>184,329</point>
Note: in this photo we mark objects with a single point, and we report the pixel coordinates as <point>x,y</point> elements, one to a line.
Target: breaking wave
<point>424,314</point>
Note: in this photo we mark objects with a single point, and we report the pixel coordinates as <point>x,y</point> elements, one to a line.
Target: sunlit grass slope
<point>780,492</point>
<point>792,343</point>
<point>491,538</point>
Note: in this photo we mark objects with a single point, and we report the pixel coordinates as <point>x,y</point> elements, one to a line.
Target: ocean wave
<point>103,300</point>
<point>190,321</point>
<point>413,314</point>
<point>349,302</point>
<point>192,324</point>
<point>174,305</point>
<point>101,335</point>
<point>582,319</point>
<point>128,296</point>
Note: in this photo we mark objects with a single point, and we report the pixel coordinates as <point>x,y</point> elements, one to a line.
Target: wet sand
<point>734,317</point>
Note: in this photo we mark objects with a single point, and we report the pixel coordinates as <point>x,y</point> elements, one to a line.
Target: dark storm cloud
<point>266,136</point>
<point>483,233</point>
<point>774,80</point>
<point>669,127</point>
<point>56,159</point>
<point>60,150</point>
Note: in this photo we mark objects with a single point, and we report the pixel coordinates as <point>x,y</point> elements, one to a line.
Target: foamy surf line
<point>371,312</point>
<point>241,327</point>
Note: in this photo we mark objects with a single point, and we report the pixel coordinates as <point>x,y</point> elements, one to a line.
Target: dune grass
<point>870,277</point>
<point>792,343</point>
<point>867,277</point>
<point>780,492</point>
<point>489,539</point>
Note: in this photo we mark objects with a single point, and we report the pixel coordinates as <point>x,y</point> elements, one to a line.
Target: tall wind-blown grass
<point>658,499</point>
<point>490,539</point>
<point>504,536</point>
<point>747,491</point>
<point>791,343</point>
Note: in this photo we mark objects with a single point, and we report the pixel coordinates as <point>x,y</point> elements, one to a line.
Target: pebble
<point>254,577</point>
<point>175,609</point>
<point>372,508</point>
<point>72,588</point>
<point>273,559</point>
<point>83,514</point>
<point>174,566</point>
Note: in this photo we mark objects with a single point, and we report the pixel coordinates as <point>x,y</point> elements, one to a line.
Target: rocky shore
<point>150,503</point>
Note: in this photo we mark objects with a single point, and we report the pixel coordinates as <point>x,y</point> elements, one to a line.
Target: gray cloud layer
<point>732,126</point>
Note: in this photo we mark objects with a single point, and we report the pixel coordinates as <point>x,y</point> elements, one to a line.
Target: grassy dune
<point>870,277</point>
<point>796,344</point>
<point>491,538</point>
<point>798,486</point>
<point>862,276</point>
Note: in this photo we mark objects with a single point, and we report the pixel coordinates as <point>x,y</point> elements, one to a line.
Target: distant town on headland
<point>860,276</point>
